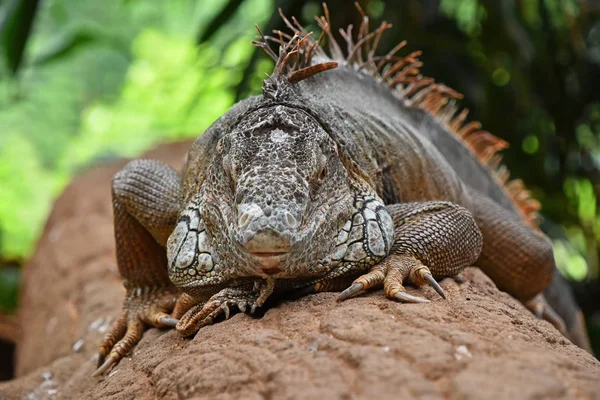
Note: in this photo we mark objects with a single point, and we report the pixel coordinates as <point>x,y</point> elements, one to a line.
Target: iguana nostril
<point>247,214</point>
<point>265,228</point>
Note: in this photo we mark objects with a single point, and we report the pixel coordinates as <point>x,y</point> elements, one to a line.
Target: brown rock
<point>480,343</point>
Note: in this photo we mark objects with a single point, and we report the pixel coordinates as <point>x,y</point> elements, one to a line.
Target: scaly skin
<point>307,189</point>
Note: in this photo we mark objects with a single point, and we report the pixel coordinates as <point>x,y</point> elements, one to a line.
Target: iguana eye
<point>323,172</point>
<point>317,180</point>
<point>334,151</point>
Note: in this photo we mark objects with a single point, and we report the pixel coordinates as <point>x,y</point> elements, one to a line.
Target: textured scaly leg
<point>146,198</point>
<point>516,257</point>
<point>433,240</point>
<point>392,273</point>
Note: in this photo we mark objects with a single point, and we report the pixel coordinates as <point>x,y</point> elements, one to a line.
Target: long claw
<point>354,290</point>
<point>225,309</point>
<point>407,298</point>
<point>168,321</point>
<point>139,311</point>
<point>433,283</point>
<point>243,307</point>
<point>101,359</point>
<point>109,362</point>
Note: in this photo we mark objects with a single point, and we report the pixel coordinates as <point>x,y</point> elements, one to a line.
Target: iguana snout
<point>266,231</point>
<point>269,223</point>
<point>266,236</point>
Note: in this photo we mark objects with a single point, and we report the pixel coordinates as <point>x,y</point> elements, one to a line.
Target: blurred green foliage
<point>100,80</point>
<point>9,282</point>
<point>104,80</point>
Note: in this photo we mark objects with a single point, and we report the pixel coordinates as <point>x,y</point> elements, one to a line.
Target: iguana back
<point>365,90</point>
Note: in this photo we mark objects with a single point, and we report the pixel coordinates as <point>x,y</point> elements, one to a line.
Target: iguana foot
<point>392,272</point>
<point>542,310</point>
<point>197,315</point>
<point>141,307</point>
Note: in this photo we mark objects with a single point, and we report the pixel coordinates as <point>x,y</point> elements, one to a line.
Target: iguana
<point>350,172</point>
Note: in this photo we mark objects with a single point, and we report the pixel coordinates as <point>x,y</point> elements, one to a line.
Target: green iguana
<point>349,173</point>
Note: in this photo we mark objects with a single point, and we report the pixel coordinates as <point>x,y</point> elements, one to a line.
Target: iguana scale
<point>350,172</point>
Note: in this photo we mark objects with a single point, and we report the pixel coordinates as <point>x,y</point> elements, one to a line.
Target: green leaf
<point>9,286</point>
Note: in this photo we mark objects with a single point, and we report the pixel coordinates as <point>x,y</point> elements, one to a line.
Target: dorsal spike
<point>402,75</point>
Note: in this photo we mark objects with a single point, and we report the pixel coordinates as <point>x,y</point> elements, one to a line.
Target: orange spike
<point>411,58</point>
<point>307,72</point>
<point>469,128</point>
<point>402,74</point>
<point>459,120</point>
<point>417,84</point>
<point>445,114</point>
<point>391,53</point>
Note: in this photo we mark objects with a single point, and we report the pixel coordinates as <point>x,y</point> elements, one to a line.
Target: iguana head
<point>278,200</point>
<point>280,165</point>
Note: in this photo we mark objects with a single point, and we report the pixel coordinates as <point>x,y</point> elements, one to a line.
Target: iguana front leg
<point>146,196</point>
<point>432,240</point>
<point>211,281</point>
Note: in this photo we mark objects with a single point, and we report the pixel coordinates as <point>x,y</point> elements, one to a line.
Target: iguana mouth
<point>269,261</point>
<point>268,254</point>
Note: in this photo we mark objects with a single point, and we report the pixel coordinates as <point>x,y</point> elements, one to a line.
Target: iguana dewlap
<point>348,173</point>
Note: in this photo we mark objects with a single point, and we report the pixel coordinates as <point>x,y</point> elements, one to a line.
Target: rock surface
<point>480,343</point>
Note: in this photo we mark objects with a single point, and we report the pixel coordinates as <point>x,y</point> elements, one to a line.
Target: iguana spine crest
<point>301,57</point>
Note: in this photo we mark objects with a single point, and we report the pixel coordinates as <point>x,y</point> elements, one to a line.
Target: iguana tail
<point>470,150</point>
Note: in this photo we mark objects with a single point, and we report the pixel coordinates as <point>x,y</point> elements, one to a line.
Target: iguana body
<point>339,177</point>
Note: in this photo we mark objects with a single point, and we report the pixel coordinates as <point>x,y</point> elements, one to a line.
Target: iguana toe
<point>354,290</point>
<point>408,298</point>
<point>141,308</point>
<point>421,275</point>
<point>167,320</point>
<point>135,329</point>
<point>391,273</point>
<point>373,279</point>
<point>201,314</point>
<point>106,364</point>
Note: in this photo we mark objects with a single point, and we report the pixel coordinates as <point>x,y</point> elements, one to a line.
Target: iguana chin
<point>348,173</point>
